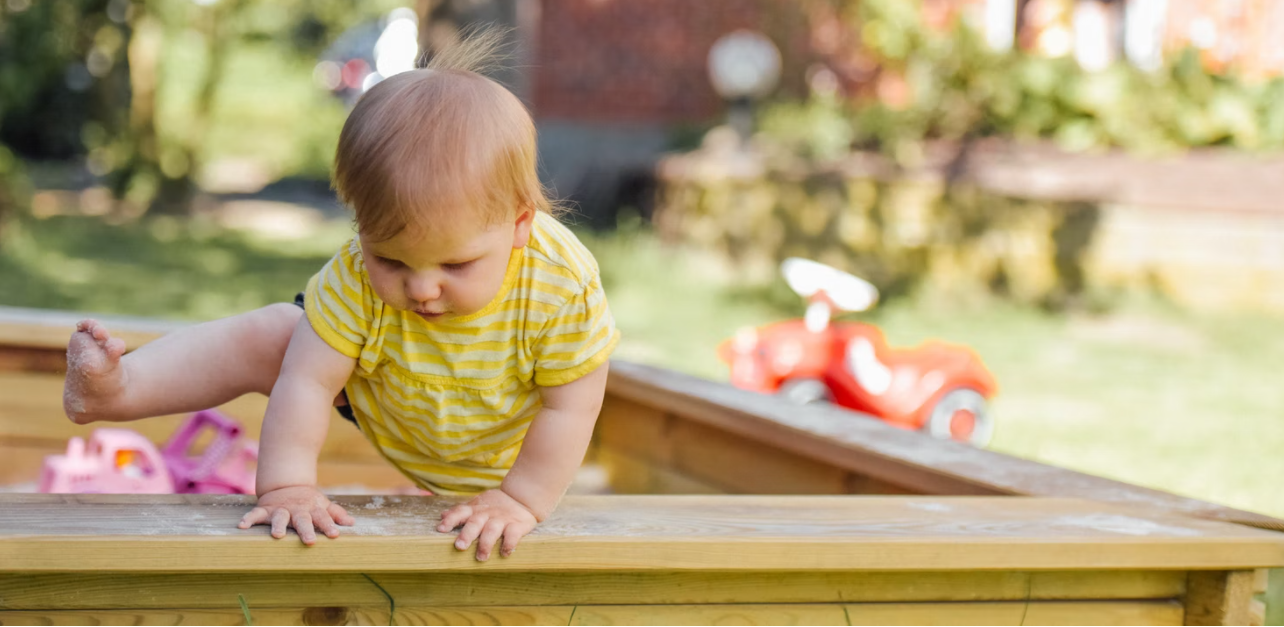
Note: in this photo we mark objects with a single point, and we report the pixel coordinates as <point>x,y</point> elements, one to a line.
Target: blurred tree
<point>80,80</point>
<point>60,69</point>
<point>165,168</point>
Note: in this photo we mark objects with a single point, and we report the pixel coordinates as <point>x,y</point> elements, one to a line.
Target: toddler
<point>464,330</point>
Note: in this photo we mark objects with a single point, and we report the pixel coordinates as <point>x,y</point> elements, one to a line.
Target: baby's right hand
<point>301,507</point>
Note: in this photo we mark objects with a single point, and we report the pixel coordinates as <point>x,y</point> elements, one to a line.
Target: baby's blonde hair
<point>423,145</point>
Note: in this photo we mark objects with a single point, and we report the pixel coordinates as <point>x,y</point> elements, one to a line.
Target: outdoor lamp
<point>744,66</point>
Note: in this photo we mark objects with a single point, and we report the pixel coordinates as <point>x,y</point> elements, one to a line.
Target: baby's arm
<point>294,428</point>
<point>551,453</point>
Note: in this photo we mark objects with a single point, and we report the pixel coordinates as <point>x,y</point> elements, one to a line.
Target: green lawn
<point>1146,394</point>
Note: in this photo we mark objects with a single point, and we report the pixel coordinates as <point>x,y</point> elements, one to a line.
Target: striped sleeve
<point>577,339</point>
<point>339,303</point>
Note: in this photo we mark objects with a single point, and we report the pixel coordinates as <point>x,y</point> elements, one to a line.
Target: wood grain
<point>867,447</point>
<point>1257,613</point>
<point>195,534</point>
<point>27,359</point>
<point>627,474</point>
<point>32,411</point>
<point>50,329</point>
<point>1219,598</point>
<point>1036,613</point>
<point>122,590</point>
<point>319,615</point>
<point>763,614</point>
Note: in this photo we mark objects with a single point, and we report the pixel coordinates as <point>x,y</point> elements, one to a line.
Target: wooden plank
<point>32,410</point>
<point>123,590</point>
<point>627,474</point>
<point>764,614</point>
<point>320,615</point>
<point>1257,613</point>
<point>1219,598</point>
<point>634,428</point>
<point>1035,613</point>
<point>867,447</point>
<point>21,466</point>
<point>1156,584</point>
<point>861,484</point>
<point>745,466</point>
<point>1039,613</point>
<point>27,359</point>
<point>195,534</point>
<point>50,329</point>
<point>673,448</point>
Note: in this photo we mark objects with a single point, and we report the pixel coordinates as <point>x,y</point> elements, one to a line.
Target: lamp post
<point>744,66</point>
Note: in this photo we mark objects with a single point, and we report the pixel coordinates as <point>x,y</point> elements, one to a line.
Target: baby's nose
<point>423,290</point>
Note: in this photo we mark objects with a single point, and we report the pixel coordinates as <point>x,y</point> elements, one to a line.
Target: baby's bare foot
<point>95,378</point>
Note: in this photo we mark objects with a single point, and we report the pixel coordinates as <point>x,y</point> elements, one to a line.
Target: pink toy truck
<point>226,466</point>
<point>116,461</point>
<point>120,461</point>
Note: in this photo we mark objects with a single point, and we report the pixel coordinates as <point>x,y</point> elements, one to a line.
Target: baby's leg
<point>188,370</point>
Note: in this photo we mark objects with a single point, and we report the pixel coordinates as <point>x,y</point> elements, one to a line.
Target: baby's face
<point>446,272</point>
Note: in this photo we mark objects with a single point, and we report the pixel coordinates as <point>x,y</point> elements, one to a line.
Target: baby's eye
<point>389,262</point>
<point>455,267</point>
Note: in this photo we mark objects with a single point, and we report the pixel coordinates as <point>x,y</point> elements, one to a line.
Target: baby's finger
<point>471,530</point>
<point>280,520</point>
<point>255,516</point>
<point>303,527</point>
<point>512,535</point>
<point>454,517</point>
<point>340,515</point>
<point>489,535</point>
<point>321,519</point>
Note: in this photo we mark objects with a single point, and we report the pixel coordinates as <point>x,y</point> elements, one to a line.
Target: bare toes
<point>115,347</point>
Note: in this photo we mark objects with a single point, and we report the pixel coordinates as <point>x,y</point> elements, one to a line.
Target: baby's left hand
<point>488,516</point>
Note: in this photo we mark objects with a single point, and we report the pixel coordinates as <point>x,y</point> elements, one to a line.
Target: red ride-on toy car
<point>938,388</point>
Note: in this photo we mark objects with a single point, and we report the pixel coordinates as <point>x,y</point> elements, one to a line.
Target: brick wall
<point>641,60</point>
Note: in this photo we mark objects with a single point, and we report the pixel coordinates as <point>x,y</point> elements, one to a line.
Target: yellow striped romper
<point>448,403</point>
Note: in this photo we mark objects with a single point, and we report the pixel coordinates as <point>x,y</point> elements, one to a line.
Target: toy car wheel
<point>806,391</point>
<point>962,414</point>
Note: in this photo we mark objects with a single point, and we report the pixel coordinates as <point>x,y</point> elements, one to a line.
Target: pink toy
<point>117,461</point>
<point>226,466</point>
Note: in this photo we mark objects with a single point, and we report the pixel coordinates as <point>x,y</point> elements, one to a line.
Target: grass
<point>1147,394</point>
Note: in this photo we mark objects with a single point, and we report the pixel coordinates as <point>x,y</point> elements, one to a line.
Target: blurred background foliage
<point>949,84</point>
<point>147,92</point>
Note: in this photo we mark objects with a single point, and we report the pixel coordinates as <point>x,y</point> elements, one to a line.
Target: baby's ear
<point>522,232</point>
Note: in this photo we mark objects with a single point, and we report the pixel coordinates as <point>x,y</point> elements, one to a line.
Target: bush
<point>958,88</point>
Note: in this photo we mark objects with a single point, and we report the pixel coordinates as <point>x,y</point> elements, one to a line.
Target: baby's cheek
<point>387,291</point>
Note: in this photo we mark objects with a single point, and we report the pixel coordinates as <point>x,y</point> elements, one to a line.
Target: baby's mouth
<point>429,315</point>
